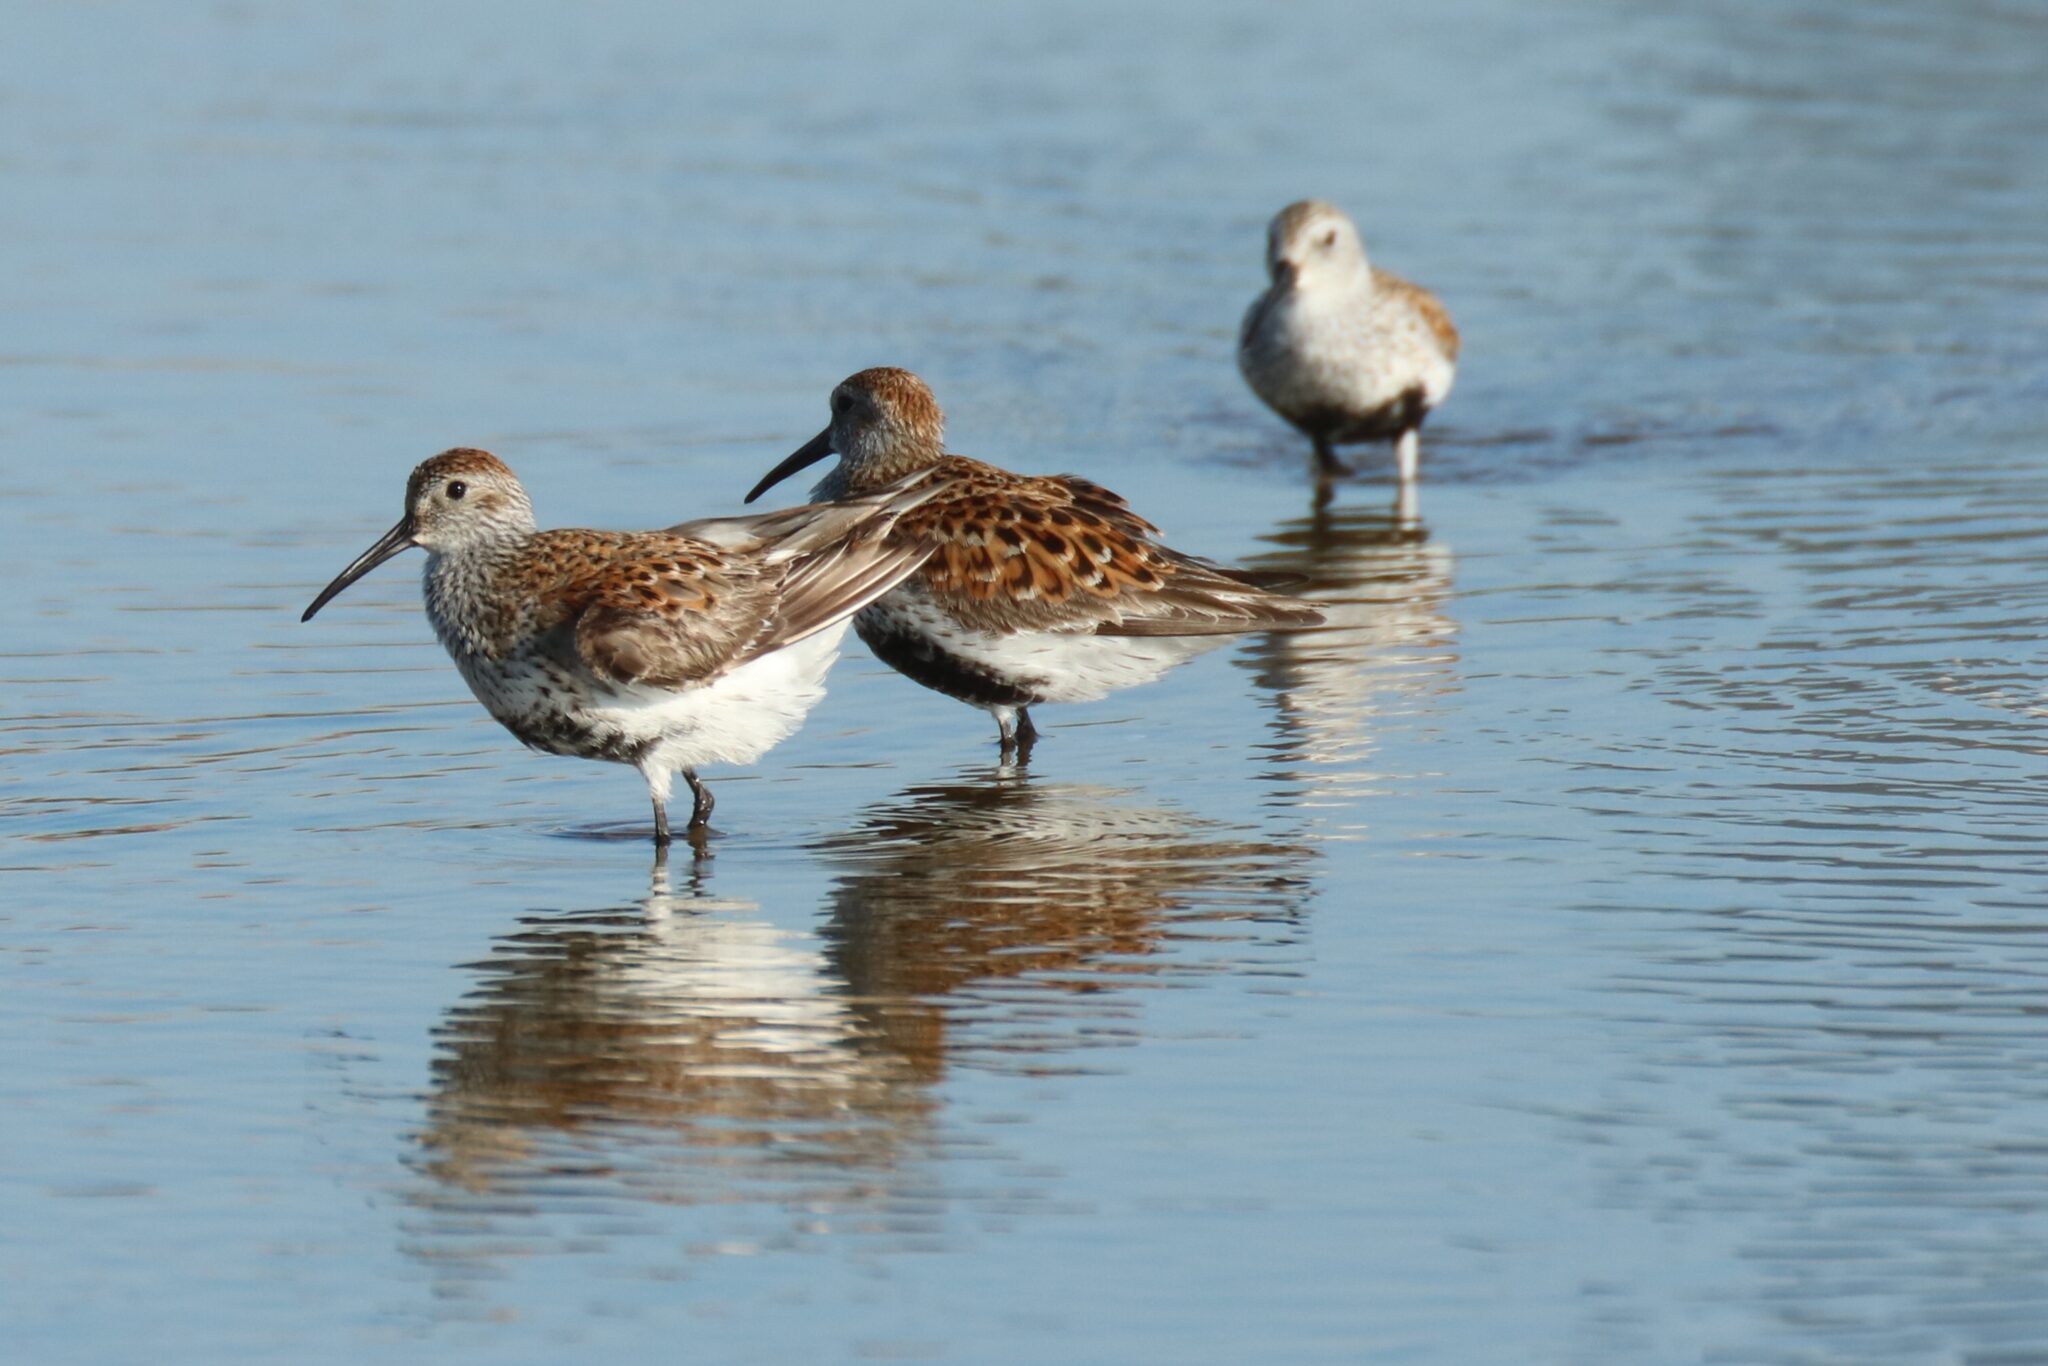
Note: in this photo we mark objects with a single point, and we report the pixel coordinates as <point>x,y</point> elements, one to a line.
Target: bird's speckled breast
<point>523,670</point>
<point>1367,361</point>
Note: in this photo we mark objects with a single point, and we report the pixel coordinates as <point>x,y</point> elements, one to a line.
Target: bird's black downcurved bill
<point>810,453</point>
<point>389,544</point>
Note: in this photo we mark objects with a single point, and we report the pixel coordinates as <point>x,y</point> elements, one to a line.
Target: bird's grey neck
<point>869,473</point>
<point>832,487</point>
<point>466,598</point>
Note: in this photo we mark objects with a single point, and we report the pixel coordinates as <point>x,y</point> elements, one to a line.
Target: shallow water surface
<point>1620,935</point>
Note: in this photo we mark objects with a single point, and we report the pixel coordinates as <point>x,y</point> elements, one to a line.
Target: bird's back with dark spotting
<point>644,606</point>
<point>1057,552</point>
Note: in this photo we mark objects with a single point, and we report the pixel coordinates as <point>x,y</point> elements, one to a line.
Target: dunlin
<point>706,642</point>
<point>1041,589</point>
<point>1343,350</point>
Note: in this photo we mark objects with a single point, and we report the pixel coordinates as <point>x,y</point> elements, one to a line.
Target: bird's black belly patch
<point>921,661</point>
<point>555,733</point>
<point>1383,423</point>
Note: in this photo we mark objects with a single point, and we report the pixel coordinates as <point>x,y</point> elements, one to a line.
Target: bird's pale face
<point>463,498</point>
<point>1312,242</point>
<point>458,500</point>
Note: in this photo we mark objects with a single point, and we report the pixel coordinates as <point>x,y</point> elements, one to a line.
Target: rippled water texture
<point>1622,936</point>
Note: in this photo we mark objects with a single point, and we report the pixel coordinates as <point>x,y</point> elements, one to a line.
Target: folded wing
<point>683,606</point>
<point>1061,553</point>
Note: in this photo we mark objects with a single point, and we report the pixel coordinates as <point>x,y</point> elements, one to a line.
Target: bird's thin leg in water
<point>659,899</point>
<point>1328,466</point>
<point>701,801</point>
<point>1408,454</point>
<point>1027,735</point>
<point>1407,507</point>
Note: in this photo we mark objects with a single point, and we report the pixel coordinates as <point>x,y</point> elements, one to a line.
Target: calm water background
<point>1625,939</point>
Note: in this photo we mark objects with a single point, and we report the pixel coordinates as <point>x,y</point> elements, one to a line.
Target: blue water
<point>1623,939</point>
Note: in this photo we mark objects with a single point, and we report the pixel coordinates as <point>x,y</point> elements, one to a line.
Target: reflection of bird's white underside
<point>1388,645</point>
<point>737,983</point>
<point>717,1035</point>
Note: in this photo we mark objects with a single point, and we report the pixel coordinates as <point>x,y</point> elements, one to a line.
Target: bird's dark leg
<point>661,826</point>
<point>1027,735</point>
<point>1328,466</point>
<point>701,803</point>
<point>1010,735</point>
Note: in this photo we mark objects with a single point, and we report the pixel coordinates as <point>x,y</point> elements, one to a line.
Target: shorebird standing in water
<point>1343,350</point>
<point>707,642</point>
<point>1041,589</point>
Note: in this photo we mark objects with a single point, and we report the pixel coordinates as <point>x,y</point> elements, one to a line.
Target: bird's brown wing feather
<point>818,563</point>
<point>1431,309</point>
<point>1062,553</point>
<point>668,611</point>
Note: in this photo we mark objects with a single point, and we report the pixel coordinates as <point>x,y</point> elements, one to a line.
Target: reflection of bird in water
<point>674,1050</point>
<point>999,914</point>
<point>688,1050</point>
<point>1382,585</point>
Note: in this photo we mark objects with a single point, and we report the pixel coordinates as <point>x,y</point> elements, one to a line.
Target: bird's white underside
<point>734,719</point>
<point>1344,351</point>
<point>1062,666</point>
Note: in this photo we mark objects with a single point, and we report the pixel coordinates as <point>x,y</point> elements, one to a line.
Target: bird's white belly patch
<point>1045,666</point>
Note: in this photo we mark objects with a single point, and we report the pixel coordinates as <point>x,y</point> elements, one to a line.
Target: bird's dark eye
<point>456,488</point>
<point>1330,238</point>
<point>840,403</point>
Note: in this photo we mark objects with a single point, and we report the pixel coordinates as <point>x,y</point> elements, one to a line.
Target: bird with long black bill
<point>707,642</point>
<point>1040,588</point>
